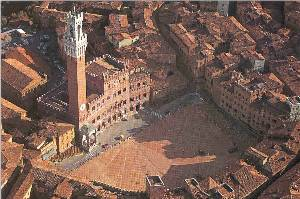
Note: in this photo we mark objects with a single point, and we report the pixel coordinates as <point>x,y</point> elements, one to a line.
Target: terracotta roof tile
<point>22,186</point>
<point>187,38</point>
<point>5,137</point>
<point>19,76</point>
<point>289,73</point>
<point>10,110</point>
<point>13,152</point>
<point>99,67</point>
<point>64,189</point>
<point>281,187</point>
<point>246,180</point>
<point>19,54</point>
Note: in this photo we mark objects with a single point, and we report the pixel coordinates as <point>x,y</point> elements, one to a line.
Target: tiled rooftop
<point>281,187</point>
<point>46,131</point>
<point>100,66</point>
<point>13,153</point>
<point>10,110</point>
<point>23,184</point>
<point>64,189</point>
<point>245,180</point>
<point>187,38</point>
<point>19,76</point>
<point>5,137</point>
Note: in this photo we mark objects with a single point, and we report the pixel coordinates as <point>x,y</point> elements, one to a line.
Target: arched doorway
<point>138,107</point>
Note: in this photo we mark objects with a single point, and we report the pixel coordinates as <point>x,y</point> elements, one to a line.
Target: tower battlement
<point>75,40</point>
<point>73,15</point>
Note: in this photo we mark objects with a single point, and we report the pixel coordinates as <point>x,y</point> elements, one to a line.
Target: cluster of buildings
<point>229,55</point>
<point>50,18</point>
<point>208,34</point>
<point>285,186</point>
<point>267,170</point>
<point>99,92</point>
<point>96,94</point>
<point>220,52</point>
<point>24,77</point>
<point>259,167</point>
<point>118,32</point>
<point>151,50</point>
<point>49,139</point>
<point>274,40</point>
<point>159,59</point>
<point>23,175</point>
<point>291,15</point>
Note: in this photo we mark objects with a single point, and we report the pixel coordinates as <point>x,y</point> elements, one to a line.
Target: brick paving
<point>170,148</point>
<point>133,125</point>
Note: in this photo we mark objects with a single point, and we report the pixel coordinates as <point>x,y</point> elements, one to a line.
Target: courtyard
<point>195,140</point>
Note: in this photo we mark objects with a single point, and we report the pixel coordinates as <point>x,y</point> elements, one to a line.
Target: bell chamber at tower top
<point>75,40</point>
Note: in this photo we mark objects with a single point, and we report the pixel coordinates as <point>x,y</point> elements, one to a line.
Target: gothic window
<point>78,31</point>
<point>71,31</point>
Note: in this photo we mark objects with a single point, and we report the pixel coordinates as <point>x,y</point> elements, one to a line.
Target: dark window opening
<point>170,73</point>
<point>137,108</point>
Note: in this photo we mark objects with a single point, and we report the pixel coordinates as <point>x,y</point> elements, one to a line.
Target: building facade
<point>100,92</point>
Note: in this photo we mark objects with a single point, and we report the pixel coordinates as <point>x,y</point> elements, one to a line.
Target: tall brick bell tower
<point>75,43</point>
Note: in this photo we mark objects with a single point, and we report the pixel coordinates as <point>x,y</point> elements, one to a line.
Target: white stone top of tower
<point>75,40</point>
<point>223,8</point>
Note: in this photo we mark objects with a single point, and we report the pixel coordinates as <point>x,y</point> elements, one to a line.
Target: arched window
<point>78,31</point>
<point>71,31</point>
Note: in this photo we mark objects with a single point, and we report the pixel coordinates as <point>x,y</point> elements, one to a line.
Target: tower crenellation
<point>75,40</point>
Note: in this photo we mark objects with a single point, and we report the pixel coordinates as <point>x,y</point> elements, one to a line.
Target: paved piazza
<point>184,144</point>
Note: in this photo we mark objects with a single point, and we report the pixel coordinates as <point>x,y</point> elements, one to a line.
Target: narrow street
<point>164,32</point>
